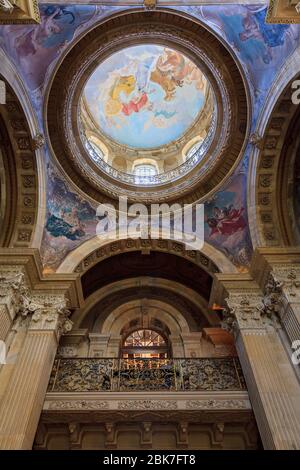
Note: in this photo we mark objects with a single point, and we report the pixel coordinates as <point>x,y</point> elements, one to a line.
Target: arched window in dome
<point>143,172</point>
<point>145,343</point>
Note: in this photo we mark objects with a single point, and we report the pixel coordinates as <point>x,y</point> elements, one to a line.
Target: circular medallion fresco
<point>145,96</point>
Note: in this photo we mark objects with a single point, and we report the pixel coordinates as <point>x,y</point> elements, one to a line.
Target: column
<point>23,399</point>
<point>272,384</point>
<point>283,269</point>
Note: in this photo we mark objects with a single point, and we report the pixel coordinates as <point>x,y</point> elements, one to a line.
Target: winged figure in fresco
<point>255,27</point>
<point>226,221</point>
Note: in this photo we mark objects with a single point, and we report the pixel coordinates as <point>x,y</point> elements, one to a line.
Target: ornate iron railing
<point>194,157</point>
<point>152,375</point>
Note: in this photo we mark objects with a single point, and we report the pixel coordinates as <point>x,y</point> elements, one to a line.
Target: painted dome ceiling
<point>146,105</point>
<point>145,96</point>
<point>145,110</point>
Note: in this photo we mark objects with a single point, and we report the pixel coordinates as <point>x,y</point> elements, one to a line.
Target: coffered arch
<point>265,221</point>
<point>266,182</point>
<point>20,173</point>
<point>95,250</point>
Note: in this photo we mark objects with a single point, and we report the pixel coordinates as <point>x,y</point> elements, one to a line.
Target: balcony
<point>146,375</point>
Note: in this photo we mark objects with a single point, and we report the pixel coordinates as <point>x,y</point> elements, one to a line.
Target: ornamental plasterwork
<point>77,405</point>
<point>151,405</point>
<point>148,405</point>
<point>218,404</point>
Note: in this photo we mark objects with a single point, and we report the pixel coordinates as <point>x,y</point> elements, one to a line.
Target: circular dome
<point>146,107</point>
<point>145,111</point>
<point>145,96</point>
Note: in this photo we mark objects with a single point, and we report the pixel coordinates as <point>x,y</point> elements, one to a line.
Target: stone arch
<point>95,250</point>
<point>120,287</point>
<point>21,170</point>
<point>170,316</point>
<point>120,316</point>
<point>264,183</point>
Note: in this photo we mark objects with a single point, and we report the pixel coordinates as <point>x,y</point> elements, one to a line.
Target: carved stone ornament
<point>148,405</point>
<point>78,405</point>
<point>289,280</point>
<point>256,140</point>
<point>38,141</point>
<point>218,404</point>
<point>271,301</point>
<point>248,311</point>
<point>49,312</point>
<point>11,282</point>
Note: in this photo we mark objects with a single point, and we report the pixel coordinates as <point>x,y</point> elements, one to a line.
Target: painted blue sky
<point>136,105</point>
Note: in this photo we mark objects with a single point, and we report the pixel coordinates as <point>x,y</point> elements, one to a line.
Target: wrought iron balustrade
<point>151,375</point>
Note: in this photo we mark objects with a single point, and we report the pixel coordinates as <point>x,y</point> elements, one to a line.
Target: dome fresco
<point>145,96</point>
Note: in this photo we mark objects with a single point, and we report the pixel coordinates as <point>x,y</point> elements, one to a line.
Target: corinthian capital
<point>47,312</point>
<point>246,312</point>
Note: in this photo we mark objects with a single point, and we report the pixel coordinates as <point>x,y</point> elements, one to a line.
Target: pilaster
<point>253,312</point>
<point>38,309</point>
